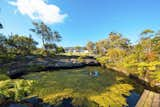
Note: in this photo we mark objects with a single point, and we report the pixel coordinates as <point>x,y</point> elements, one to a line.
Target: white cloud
<point>39,10</point>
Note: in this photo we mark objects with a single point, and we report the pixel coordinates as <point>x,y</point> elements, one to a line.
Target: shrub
<point>15,90</point>
<point>80,59</point>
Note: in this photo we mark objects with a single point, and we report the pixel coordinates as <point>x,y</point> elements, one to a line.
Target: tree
<point>1,26</point>
<point>78,48</point>
<point>43,30</point>
<point>60,50</point>
<point>156,44</point>
<point>50,46</point>
<point>147,32</point>
<point>117,41</point>
<point>102,46</point>
<point>138,52</point>
<point>21,45</point>
<point>146,42</point>
<point>90,46</point>
<point>3,48</point>
<point>48,36</point>
<point>57,37</point>
<point>113,36</point>
<point>115,54</point>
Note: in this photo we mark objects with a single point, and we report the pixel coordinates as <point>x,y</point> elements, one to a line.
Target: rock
<point>30,57</point>
<point>17,69</point>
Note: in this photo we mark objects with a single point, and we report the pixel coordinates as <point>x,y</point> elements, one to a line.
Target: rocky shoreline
<point>36,64</point>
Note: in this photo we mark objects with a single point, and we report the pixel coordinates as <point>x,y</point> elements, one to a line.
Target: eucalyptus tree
<point>117,41</point>
<point>114,40</point>
<point>146,42</point>
<point>56,36</point>
<point>48,36</point>
<point>147,33</point>
<point>90,46</point>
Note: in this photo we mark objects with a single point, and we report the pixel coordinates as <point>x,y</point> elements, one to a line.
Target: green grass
<point>55,86</point>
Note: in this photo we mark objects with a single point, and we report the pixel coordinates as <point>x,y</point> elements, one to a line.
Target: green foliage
<point>156,44</point>
<point>103,60</point>
<point>42,52</point>
<point>115,40</point>
<point>141,59</point>
<point>147,31</point>
<point>50,46</point>
<point>47,35</point>
<point>21,45</point>
<point>78,48</point>
<point>155,77</point>
<point>39,51</point>
<point>115,54</point>
<point>90,46</point>
<point>83,102</point>
<point>60,50</point>
<point>80,59</point>
<point>143,67</point>
<point>102,46</point>
<point>115,99</point>
<point>15,90</point>
<point>81,87</point>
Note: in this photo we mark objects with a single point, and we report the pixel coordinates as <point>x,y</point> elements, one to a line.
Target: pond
<point>85,87</point>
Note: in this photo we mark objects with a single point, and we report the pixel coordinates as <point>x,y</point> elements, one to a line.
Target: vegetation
<point>109,89</point>
<point>85,90</point>
<point>21,45</point>
<point>90,46</point>
<point>47,35</point>
<point>15,90</point>
<point>140,59</point>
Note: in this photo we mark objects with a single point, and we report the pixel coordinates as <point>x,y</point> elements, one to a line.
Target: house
<point>75,50</point>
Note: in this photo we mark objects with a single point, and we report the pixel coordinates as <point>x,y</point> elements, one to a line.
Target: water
<point>85,87</point>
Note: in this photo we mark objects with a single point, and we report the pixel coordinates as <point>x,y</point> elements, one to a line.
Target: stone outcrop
<point>38,64</point>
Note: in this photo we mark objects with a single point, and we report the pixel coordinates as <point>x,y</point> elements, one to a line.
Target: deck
<point>149,99</point>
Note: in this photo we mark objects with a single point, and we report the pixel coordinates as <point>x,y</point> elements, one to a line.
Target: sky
<point>80,21</point>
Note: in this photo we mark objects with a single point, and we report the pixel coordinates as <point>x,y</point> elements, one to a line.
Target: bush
<point>42,52</point>
<point>15,90</point>
<point>80,59</point>
<point>102,60</point>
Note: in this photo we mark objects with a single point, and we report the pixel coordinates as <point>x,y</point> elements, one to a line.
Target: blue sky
<point>80,21</point>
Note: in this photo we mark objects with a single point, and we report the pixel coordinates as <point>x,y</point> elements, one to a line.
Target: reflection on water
<point>94,73</point>
<point>133,99</point>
